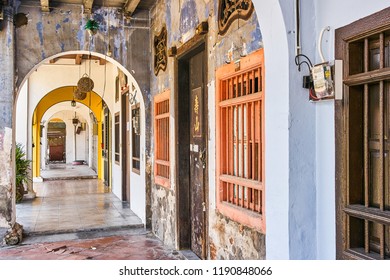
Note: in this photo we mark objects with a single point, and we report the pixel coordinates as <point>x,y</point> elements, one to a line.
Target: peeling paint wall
<point>7,201</point>
<point>227,239</point>
<point>231,241</point>
<point>163,217</point>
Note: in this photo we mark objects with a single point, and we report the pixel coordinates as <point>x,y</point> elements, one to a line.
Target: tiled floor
<point>82,219</point>
<point>121,246</point>
<point>67,171</point>
<point>74,205</point>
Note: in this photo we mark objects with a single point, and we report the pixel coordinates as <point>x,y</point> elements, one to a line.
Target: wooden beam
<point>87,4</point>
<point>54,60</point>
<point>102,61</point>
<point>78,59</point>
<point>130,7</point>
<point>45,6</point>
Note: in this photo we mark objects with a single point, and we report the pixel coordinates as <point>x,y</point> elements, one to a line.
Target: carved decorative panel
<point>230,10</point>
<point>160,51</point>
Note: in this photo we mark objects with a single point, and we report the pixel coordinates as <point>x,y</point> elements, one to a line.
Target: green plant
<point>91,26</point>
<point>22,167</point>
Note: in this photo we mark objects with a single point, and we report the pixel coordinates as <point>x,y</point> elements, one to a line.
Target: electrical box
<point>326,81</point>
<point>322,87</point>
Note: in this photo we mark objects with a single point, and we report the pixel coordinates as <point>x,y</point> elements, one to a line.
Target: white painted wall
<point>116,168</point>
<point>21,118</point>
<point>137,181</point>
<point>276,127</point>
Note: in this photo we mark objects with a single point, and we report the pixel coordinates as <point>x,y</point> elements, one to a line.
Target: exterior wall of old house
<point>300,201</point>
<point>227,239</point>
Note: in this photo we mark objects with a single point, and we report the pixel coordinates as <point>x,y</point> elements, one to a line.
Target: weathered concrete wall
<point>227,239</point>
<point>7,201</point>
<point>163,217</point>
<point>232,241</point>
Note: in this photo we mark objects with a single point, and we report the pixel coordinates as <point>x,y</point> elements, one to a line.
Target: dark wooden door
<point>362,140</point>
<point>125,147</point>
<point>56,148</point>
<point>198,155</point>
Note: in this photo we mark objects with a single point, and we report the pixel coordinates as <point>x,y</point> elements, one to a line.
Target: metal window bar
<point>162,133</point>
<point>371,231</point>
<point>241,141</point>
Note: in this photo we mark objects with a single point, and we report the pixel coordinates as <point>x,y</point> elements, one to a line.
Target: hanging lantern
<point>80,95</point>
<point>85,84</point>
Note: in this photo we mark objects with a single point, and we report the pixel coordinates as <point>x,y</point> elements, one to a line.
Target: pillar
<point>7,77</point>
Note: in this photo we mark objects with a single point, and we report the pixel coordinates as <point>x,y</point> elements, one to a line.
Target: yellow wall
<point>56,96</point>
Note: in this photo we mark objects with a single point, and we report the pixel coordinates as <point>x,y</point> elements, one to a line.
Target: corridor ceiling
<point>129,6</point>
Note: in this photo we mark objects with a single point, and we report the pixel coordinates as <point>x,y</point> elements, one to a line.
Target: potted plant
<point>22,167</point>
<point>92,27</point>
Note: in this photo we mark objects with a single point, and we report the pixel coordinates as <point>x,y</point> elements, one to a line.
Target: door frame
<point>107,151</point>
<point>195,45</point>
<point>126,147</point>
<point>360,28</point>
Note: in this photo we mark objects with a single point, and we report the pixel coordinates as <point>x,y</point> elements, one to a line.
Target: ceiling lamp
<point>79,95</point>
<point>73,103</point>
<point>84,85</point>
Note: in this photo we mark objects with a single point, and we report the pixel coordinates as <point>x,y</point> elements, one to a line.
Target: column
<point>7,75</point>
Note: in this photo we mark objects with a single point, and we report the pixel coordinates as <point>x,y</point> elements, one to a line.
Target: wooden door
<point>56,136</point>
<point>362,140</point>
<point>198,155</point>
<point>125,111</point>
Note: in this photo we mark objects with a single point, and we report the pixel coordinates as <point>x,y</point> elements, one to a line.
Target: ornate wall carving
<point>230,10</point>
<point>160,51</point>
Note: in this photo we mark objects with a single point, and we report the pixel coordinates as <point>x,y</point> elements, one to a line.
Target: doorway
<point>192,149</point>
<point>106,146</point>
<point>56,141</point>
<point>125,115</point>
<point>362,140</point>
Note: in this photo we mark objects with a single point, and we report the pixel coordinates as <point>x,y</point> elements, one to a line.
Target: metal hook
<point>299,63</point>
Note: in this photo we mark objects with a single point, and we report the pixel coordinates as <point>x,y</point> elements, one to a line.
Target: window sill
<point>243,216</point>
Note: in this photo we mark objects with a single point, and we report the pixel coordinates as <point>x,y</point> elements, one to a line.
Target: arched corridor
<point>74,139</point>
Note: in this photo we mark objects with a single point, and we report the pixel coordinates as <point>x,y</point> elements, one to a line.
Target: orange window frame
<point>240,141</point>
<point>161,144</point>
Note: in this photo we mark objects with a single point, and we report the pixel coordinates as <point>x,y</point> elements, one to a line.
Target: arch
<point>105,57</point>
<point>52,98</point>
<point>273,30</point>
<point>140,180</point>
